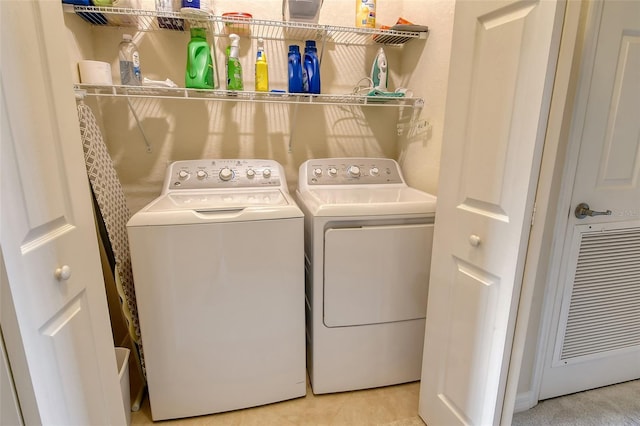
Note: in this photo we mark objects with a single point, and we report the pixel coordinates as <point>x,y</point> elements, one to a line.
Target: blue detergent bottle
<point>295,70</point>
<point>311,67</point>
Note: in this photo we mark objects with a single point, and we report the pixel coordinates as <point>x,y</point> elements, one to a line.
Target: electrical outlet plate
<point>413,128</point>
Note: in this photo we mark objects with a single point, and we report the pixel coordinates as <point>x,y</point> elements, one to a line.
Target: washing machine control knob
<point>317,172</point>
<point>374,171</point>
<point>201,174</point>
<point>251,173</point>
<point>333,171</point>
<point>183,174</point>
<point>353,171</point>
<point>225,174</point>
<point>266,173</point>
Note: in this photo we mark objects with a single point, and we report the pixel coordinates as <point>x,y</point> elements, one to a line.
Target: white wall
<point>425,68</point>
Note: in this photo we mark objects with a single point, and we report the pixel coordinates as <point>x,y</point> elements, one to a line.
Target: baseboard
<point>525,401</point>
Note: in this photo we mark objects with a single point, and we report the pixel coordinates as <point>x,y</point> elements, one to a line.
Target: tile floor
<point>389,406</point>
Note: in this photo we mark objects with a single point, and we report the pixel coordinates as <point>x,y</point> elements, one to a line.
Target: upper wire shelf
<point>152,20</point>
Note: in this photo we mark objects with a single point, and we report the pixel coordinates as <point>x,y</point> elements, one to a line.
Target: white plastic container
<point>197,7</point>
<point>122,360</point>
<point>302,10</point>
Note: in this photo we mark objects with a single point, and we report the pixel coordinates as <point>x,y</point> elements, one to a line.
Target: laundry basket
<point>122,360</point>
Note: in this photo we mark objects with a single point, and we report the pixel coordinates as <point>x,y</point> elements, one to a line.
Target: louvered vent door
<point>597,342</point>
<point>604,307</point>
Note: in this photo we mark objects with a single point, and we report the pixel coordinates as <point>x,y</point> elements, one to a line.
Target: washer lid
<point>367,201</point>
<point>216,206</point>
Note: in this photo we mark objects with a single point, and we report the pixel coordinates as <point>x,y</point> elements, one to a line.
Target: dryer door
<point>376,274</point>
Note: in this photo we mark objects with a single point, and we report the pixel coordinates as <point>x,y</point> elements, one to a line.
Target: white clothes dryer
<point>219,278</point>
<point>368,239</point>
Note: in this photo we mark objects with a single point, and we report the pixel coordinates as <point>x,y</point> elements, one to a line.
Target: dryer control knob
<point>374,171</point>
<point>201,174</point>
<point>332,171</point>
<point>251,173</point>
<point>353,171</point>
<point>226,174</point>
<point>317,172</point>
<point>266,173</point>
<point>183,174</point>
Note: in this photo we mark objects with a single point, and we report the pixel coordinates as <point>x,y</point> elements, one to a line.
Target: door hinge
<point>533,214</point>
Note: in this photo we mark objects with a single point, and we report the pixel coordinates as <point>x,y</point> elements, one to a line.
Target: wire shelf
<point>219,26</point>
<point>243,96</point>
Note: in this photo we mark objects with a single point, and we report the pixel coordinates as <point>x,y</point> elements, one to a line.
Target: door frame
<point>16,357</point>
<point>584,17</point>
<point>553,197</point>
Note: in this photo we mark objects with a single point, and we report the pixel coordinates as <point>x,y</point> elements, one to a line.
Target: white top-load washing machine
<point>219,277</point>
<point>368,240</point>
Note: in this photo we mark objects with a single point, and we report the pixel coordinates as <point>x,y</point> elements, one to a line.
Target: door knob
<point>583,210</point>
<point>474,240</point>
<point>63,273</point>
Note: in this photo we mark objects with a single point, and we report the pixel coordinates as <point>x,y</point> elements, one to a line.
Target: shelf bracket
<point>292,125</point>
<point>135,115</point>
<point>322,46</point>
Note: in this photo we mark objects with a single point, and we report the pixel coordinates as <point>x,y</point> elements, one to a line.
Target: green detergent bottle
<point>199,74</point>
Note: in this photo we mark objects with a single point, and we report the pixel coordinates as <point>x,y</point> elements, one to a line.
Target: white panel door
<point>597,339</point>
<point>47,231</point>
<point>501,75</point>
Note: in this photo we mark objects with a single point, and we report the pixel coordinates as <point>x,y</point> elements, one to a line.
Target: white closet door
<point>501,76</point>
<point>48,234</point>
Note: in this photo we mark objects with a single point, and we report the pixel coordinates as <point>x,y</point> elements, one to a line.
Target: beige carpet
<point>617,405</point>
